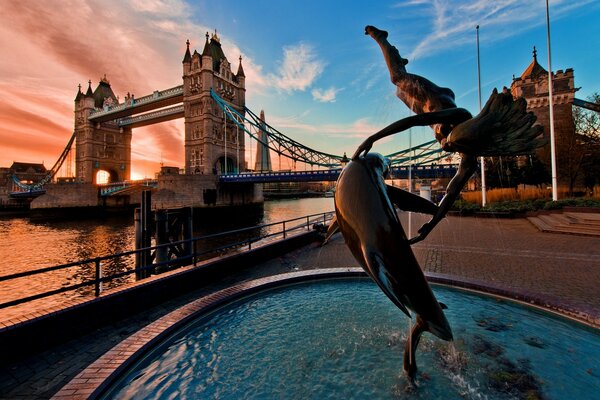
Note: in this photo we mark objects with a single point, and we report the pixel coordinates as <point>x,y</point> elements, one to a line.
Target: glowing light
<point>102,177</point>
<point>136,176</point>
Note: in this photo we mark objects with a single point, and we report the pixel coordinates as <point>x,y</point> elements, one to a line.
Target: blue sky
<point>308,64</point>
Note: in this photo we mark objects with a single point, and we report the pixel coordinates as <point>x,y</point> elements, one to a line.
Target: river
<point>29,245</point>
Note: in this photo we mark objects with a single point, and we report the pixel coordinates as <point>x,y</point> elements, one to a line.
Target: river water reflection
<point>29,245</point>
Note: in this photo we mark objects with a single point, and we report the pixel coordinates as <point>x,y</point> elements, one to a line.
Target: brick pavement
<point>506,252</point>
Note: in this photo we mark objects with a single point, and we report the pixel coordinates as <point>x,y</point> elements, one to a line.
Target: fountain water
<point>341,339</point>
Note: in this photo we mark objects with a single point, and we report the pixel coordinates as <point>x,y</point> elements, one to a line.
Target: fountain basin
<point>342,338</point>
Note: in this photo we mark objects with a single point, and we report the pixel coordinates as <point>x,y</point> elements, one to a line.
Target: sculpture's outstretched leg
<point>394,61</point>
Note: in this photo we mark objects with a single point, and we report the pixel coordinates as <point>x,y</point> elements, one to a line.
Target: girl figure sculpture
<point>503,127</point>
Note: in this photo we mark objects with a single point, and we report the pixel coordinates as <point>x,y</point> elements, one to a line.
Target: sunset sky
<point>308,64</point>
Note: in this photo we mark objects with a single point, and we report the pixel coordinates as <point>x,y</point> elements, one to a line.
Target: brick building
<point>533,86</point>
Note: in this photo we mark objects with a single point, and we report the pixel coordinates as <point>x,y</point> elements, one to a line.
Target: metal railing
<point>249,236</point>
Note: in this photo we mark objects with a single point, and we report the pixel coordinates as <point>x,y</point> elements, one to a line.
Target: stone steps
<point>575,223</point>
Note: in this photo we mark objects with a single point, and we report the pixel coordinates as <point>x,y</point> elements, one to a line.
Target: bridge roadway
<point>402,172</point>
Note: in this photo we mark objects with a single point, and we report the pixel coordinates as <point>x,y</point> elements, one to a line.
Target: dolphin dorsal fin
<point>332,230</point>
<point>407,201</point>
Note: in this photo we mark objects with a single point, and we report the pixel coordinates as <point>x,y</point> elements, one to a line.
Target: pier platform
<point>506,253</point>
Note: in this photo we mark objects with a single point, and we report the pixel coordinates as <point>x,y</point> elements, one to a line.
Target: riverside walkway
<point>507,253</point>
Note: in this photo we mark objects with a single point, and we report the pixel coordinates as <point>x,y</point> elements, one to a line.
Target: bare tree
<point>585,145</point>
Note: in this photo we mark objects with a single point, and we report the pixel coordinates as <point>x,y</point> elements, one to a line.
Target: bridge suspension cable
<point>51,173</point>
<point>277,141</point>
<point>283,145</point>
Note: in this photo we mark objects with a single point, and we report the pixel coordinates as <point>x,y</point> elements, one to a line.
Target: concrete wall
<point>65,195</point>
<point>200,191</point>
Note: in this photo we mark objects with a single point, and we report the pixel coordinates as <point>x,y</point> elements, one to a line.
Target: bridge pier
<point>202,191</point>
<point>67,195</point>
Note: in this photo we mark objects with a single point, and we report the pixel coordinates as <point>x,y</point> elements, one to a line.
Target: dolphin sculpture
<point>371,228</point>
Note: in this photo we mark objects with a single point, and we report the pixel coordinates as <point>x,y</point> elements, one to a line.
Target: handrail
<point>192,258</point>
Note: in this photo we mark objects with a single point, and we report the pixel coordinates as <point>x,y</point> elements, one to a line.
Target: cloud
<point>299,69</point>
<point>168,8</point>
<point>454,22</point>
<point>49,49</point>
<point>325,96</point>
<point>360,128</point>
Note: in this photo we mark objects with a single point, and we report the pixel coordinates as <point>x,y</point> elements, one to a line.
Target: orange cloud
<point>51,47</point>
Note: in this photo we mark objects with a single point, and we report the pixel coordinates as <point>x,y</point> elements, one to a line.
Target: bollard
<point>162,238</point>
<point>98,282</point>
<point>138,244</point>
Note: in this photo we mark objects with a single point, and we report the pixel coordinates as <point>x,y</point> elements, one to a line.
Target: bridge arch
<point>219,165</point>
<point>106,175</point>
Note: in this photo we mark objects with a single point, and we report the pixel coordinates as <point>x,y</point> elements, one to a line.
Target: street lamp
<point>345,160</point>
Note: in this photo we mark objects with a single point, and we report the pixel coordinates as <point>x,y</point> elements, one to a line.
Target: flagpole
<point>551,104</point>
<point>481,159</point>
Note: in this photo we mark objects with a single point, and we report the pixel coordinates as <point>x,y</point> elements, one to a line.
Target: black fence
<point>243,239</point>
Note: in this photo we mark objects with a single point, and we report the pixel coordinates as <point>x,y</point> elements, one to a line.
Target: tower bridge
<point>211,100</point>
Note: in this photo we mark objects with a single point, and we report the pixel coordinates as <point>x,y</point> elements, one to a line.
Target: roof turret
<point>240,71</point>
<point>104,93</point>
<point>89,92</point>
<point>213,49</point>
<point>207,51</point>
<point>79,93</point>
<point>534,69</point>
<point>187,58</point>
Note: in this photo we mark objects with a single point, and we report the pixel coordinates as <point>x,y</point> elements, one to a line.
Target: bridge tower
<point>533,86</point>
<point>211,144</point>
<point>100,146</point>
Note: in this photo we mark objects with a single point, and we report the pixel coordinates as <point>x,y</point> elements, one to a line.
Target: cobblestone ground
<point>510,253</point>
<point>505,252</point>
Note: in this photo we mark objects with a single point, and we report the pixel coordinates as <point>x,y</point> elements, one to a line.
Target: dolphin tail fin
<point>443,306</point>
<point>407,201</point>
<point>334,228</point>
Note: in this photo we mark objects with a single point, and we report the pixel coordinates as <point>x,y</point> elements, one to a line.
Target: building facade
<point>533,86</point>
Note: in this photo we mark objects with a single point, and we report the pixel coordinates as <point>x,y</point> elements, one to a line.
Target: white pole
<point>410,179</point>
<point>225,138</point>
<point>481,159</point>
<point>551,102</point>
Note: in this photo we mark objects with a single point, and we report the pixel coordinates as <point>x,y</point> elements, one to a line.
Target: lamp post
<point>551,105</point>
<point>344,160</point>
<point>481,159</point>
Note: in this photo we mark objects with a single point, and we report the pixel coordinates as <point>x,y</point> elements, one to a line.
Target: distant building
<point>25,172</point>
<point>263,154</point>
<point>533,86</point>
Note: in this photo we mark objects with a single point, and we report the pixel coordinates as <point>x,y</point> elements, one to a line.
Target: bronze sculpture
<point>364,204</point>
<point>365,215</point>
<point>503,127</point>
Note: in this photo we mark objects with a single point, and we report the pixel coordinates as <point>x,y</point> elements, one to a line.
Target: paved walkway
<point>505,252</point>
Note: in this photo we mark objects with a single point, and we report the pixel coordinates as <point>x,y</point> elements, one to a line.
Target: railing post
<point>284,229</point>
<point>307,223</point>
<point>194,245</point>
<point>162,250</point>
<point>98,277</point>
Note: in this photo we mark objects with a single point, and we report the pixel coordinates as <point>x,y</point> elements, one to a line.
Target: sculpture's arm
<point>450,116</point>
<point>466,168</point>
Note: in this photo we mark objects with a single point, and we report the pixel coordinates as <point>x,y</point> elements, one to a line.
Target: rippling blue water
<point>344,339</point>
